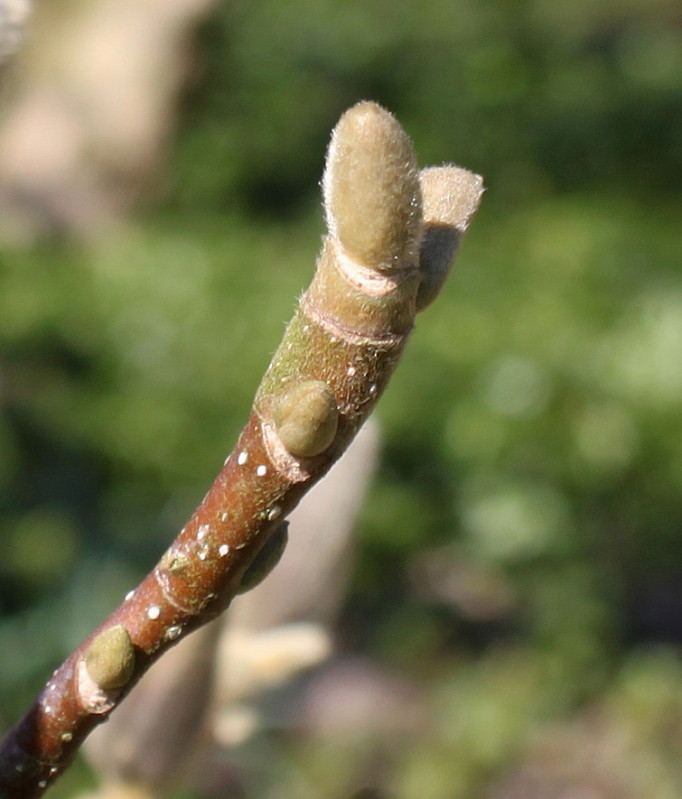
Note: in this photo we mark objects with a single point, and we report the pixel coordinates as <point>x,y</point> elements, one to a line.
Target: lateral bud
<point>451,196</point>
<point>371,189</point>
<point>110,659</point>
<point>306,418</point>
<point>266,560</point>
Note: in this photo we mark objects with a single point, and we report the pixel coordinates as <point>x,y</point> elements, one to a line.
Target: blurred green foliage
<point>533,431</point>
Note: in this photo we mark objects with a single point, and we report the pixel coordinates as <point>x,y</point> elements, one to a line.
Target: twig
<point>383,260</point>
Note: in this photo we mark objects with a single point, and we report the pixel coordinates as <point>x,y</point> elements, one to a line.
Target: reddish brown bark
<point>346,338</point>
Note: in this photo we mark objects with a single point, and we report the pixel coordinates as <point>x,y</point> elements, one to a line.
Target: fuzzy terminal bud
<point>371,189</point>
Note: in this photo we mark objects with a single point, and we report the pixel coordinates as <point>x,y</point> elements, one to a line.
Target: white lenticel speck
<point>153,611</point>
<point>243,457</point>
<point>261,471</point>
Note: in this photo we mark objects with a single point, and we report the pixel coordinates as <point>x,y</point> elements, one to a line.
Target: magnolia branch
<point>393,234</point>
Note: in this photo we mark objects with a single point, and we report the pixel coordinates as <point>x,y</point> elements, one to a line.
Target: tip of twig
<point>371,189</point>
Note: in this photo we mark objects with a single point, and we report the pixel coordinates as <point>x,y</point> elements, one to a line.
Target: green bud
<point>371,189</point>
<point>266,560</point>
<point>306,418</point>
<point>110,659</point>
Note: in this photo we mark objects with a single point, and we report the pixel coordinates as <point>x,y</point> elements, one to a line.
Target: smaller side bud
<point>371,189</point>
<point>451,196</point>
<point>266,560</point>
<point>110,659</point>
<point>306,418</point>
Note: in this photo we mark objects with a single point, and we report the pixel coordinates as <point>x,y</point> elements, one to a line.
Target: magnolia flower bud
<point>371,189</point>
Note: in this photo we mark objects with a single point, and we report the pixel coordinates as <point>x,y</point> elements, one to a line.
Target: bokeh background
<point>517,585</point>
